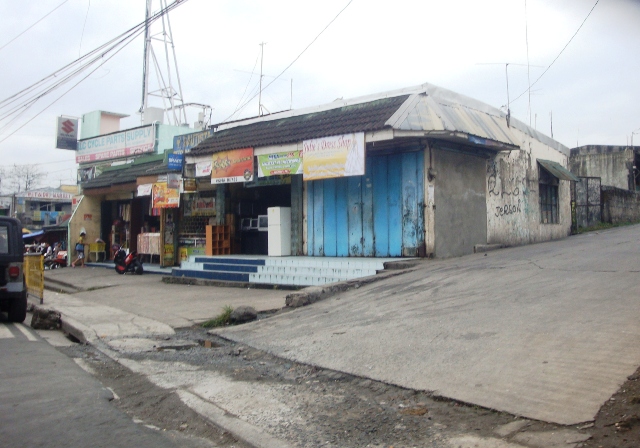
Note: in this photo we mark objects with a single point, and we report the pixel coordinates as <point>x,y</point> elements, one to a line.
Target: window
<point>4,240</point>
<point>548,198</point>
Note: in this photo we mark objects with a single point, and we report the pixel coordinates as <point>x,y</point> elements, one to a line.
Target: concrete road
<point>48,400</point>
<point>547,331</point>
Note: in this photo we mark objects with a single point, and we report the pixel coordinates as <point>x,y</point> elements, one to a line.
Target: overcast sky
<point>592,89</point>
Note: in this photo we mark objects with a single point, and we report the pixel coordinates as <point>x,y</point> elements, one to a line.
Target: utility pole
<point>262,44</point>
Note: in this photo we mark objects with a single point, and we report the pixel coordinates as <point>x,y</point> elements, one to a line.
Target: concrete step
<point>211,275</point>
<point>294,271</point>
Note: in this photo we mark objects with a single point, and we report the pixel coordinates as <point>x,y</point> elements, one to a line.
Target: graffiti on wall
<point>507,188</point>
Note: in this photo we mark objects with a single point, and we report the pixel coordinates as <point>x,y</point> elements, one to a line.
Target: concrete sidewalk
<point>104,303</point>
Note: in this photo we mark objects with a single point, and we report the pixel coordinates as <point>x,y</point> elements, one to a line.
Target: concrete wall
<point>460,200</point>
<point>607,162</point>
<point>86,216</point>
<point>619,205</point>
<point>513,208</point>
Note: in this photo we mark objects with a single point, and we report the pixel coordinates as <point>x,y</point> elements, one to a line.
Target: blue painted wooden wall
<point>379,214</point>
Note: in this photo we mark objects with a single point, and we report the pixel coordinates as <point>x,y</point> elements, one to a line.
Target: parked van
<point>13,288</point>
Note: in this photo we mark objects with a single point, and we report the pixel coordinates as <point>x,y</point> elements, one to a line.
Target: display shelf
<point>218,240</point>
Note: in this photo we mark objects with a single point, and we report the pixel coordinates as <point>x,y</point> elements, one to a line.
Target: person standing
<point>79,251</point>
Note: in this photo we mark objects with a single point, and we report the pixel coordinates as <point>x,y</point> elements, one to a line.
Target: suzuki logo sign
<point>67,133</point>
<point>68,126</point>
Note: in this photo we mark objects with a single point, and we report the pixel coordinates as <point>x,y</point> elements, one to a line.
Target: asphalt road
<point>547,331</point>
<point>49,401</point>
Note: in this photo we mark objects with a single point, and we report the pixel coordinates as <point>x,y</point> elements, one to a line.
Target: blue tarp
<point>31,235</point>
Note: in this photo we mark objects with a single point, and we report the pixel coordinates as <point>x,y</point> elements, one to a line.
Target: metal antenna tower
<point>165,66</point>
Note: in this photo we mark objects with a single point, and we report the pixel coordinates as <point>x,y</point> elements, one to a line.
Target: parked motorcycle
<point>127,263</point>
<point>57,261</point>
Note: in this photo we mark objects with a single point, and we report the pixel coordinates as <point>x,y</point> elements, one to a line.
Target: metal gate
<point>379,214</point>
<point>587,202</point>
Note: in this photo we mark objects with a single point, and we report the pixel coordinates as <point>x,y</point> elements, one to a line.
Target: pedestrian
<point>79,251</point>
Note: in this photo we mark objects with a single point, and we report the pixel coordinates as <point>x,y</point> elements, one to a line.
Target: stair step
<point>211,275</point>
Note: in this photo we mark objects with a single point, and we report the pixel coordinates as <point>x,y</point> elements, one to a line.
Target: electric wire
<point>293,62</point>
<point>44,17</point>
<point>561,51</point>
<point>84,25</point>
<point>67,73</point>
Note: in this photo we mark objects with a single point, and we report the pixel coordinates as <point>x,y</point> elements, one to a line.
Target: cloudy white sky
<point>592,89</point>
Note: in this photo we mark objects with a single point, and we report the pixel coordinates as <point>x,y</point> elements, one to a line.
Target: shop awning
<point>557,170</point>
<point>32,235</point>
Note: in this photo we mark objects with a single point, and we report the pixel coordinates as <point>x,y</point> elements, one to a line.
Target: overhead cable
<point>561,51</point>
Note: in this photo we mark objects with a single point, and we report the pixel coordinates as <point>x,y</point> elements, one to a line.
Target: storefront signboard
<point>194,205</point>
<point>280,163</point>
<point>121,144</point>
<point>164,197</point>
<point>335,156</point>
<point>182,144</point>
<point>232,166</point>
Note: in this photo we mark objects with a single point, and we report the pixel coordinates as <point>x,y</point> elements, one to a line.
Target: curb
<point>314,294</point>
<point>246,432</point>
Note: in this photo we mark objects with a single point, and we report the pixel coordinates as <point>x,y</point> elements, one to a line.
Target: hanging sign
<point>279,163</point>
<point>67,133</point>
<point>203,169</point>
<point>336,156</point>
<point>144,190</point>
<point>165,197</point>
<point>232,166</point>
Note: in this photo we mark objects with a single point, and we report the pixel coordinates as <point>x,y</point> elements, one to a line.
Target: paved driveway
<point>547,331</point>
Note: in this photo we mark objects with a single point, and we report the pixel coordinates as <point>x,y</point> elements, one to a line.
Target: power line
<point>561,51</point>
<point>293,62</point>
<point>44,17</point>
<point>47,85</point>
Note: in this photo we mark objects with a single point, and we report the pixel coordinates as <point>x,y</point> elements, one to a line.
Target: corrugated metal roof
<point>557,170</point>
<point>422,110</point>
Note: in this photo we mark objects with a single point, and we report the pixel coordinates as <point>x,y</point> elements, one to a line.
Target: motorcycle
<point>57,261</point>
<point>127,263</point>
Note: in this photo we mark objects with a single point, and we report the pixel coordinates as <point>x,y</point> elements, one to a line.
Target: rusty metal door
<point>587,199</point>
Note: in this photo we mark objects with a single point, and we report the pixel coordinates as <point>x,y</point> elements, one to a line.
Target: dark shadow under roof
<point>364,117</point>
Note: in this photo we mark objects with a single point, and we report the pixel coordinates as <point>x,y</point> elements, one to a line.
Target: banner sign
<point>122,144</point>
<point>232,166</point>
<point>144,190</point>
<point>174,161</point>
<point>183,143</point>
<point>46,194</point>
<point>165,197</point>
<point>280,163</point>
<point>67,133</point>
<point>203,169</point>
<point>194,205</point>
<point>336,156</point>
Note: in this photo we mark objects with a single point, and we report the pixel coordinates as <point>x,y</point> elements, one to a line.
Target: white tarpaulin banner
<point>204,168</point>
<point>144,190</point>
